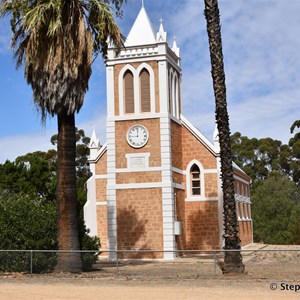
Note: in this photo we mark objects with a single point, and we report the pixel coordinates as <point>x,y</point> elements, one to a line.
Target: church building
<point>155,183</point>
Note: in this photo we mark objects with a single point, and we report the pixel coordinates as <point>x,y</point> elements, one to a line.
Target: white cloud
<point>261,66</point>
<point>13,146</point>
<point>96,122</point>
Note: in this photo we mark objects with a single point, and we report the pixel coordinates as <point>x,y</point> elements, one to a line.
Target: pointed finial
<point>161,36</point>
<point>142,3</point>
<point>94,142</point>
<point>175,49</point>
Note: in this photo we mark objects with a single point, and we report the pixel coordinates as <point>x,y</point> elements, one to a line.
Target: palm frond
<point>55,40</point>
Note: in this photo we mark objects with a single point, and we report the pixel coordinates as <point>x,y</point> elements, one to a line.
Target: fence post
<point>31,263</point>
<point>215,263</point>
<point>117,263</point>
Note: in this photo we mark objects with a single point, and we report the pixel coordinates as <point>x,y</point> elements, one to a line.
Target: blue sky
<point>262,66</point>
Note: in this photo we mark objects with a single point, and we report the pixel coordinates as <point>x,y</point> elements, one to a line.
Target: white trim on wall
<point>159,58</point>
<point>240,179</point>
<point>101,203</point>
<point>110,91</point>
<point>179,171</point>
<point>167,189</point>
<point>102,176</point>
<point>148,169</point>
<point>142,185</point>
<point>89,209</point>
<point>201,199</point>
<point>163,87</point>
<point>110,190</point>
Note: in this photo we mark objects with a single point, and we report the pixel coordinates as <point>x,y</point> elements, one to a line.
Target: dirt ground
<point>270,275</point>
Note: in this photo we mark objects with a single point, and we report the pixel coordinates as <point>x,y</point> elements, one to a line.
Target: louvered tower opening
<point>145,91</point>
<point>128,92</point>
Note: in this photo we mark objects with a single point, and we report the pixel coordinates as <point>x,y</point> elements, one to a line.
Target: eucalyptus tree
<point>55,41</point>
<point>233,260</point>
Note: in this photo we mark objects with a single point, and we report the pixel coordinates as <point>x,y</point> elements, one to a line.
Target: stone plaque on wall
<point>138,160</point>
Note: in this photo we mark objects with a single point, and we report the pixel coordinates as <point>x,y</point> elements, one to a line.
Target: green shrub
<point>26,223</point>
<point>29,223</point>
<point>89,258</point>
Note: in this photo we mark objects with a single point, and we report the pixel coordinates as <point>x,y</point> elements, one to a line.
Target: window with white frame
<point>195,179</point>
<point>128,92</point>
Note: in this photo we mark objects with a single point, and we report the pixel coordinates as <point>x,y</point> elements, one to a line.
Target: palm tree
<point>232,260</point>
<point>56,40</point>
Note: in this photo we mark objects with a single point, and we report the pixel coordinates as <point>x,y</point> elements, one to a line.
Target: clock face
<point>137,136</point>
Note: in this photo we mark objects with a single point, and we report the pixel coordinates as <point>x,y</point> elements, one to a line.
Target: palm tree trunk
<point>232,260</point>
<point>66,195</point>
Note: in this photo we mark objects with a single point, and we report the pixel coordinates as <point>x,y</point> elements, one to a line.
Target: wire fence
<point>262,263</point>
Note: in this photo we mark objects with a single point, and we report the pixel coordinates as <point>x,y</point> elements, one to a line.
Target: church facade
<point>155,183</point>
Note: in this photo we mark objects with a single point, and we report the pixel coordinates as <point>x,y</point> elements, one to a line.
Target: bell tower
<point>143,96</point>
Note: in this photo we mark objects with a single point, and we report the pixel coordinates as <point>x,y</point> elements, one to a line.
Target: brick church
<point>156,183</point>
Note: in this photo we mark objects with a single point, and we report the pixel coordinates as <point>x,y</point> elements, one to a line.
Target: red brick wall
<point>102,226</point>
<point>193,149</point>
<point>202,225</point>
<point>211,185</point>
<point>138,177</point>
<point>200,219</point>
<point>180,212</point>
<point>245,232</point>
<point>101,165</point>
<point>139,219</point>
<point>176,144</point>
<point>153,145</point>
<point>101,190</point>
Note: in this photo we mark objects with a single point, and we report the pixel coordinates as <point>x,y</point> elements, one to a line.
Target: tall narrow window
<point>195,180</point>
<point>128,92</point>
<point>170,93</point>
<point>145,91</point>
<point>238,210</point>
<point>175,97</point>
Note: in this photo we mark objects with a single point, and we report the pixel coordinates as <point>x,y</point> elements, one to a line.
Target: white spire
<point>94,145</point>
<point>175,49</point>
<point>141,32</point>
<point>216,138</point>
<point>161,35</point>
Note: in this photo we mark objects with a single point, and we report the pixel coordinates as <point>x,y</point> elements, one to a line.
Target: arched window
<point>195,180</point>
<point>145,91</point>
<point>128,92</point>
